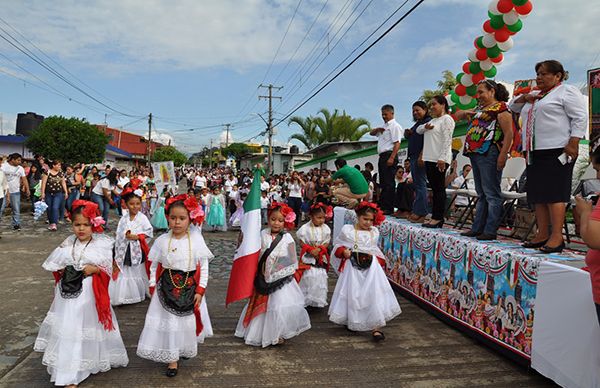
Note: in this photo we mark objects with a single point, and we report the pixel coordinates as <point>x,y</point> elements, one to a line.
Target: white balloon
<point>511,18</point>
<point>449,99</point>
<point>473,56</point>
<point>465,99</point>
<point>493,7</point>
<point>486,65</point>
<point>467,79</point>
<point>505,46</point>
<point>489,40</point>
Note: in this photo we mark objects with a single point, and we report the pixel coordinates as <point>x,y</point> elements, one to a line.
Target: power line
<point>414,7</point>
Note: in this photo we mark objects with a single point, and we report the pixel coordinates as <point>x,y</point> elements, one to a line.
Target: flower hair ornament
<point>379,216</point>
<point>191,204</point>
<point>287,212</point>
<point>328,210</point>
<point>91,212</point>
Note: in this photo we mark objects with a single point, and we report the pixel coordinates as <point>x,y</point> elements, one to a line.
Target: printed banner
<point>164,174</point>
<point>594,95</point>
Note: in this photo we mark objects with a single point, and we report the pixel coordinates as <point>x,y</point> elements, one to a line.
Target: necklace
<point>355,247</point>
<point>187,274</point>
<point>82,251</point>
<point>312,229</point>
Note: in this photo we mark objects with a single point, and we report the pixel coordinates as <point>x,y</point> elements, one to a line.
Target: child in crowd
<point>216,211</point>
<point>314,238</point>
<point>264,206</point>
<point>130,279</point>
<point>363,299</point>
<point>236,218</point>
<point>204,197</point>
<point>276,310</point>
<point>177,318</point>
<point>153,195</point>
<point>82,266</point>
<point>158,220</point>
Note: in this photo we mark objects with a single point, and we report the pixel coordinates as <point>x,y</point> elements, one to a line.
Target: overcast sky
<point>197,64</point>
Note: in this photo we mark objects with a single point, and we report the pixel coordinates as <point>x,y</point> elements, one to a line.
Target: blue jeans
<point>73,196</point>
<point>419,177</point>
<point>54,202</point>
<point>103,205</point>
<point>15,205</point>
<point>487,184</point>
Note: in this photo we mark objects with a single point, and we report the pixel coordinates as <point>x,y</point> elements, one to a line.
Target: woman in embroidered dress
<point>80,334</point>
<point>314,238</point>
<point>487,144</point>
<point>130,280</point>
<point>177,319</point>
<point>216,211</point>
<point>276,310</point>
<point>158,220</point>
<point>363,299</point>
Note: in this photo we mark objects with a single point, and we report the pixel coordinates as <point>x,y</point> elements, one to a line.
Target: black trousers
<point>296,203</point>
<point>387,181</point>
<point>437,181</point>
<point>405,196</point>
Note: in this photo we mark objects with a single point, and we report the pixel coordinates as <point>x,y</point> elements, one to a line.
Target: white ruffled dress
<point>314,280</point>
<point>74,342</point>
<point>131,286</point>
<point>167,337</point>
<point>286,316</point>
<point>363,300</point>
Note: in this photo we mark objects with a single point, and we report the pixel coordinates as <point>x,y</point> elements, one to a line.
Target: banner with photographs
<point>594,94</point>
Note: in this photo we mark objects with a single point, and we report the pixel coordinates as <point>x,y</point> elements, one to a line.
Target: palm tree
<point>329,127</point>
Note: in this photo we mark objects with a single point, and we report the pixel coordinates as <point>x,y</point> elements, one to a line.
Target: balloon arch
<point>505,20</point>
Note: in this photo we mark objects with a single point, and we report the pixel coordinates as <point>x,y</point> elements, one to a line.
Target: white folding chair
<point>515,167</point>
<point>589,174</point>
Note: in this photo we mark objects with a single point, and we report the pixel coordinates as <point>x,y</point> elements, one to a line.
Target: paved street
<point>420,351</point>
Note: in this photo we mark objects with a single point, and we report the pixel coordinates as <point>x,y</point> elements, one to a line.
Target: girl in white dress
<point>314,238</point>
<point>130,279</point>
<point>80,334</point>
<point>177,319</point>
<point>276,310</point>
<point>363,299</point>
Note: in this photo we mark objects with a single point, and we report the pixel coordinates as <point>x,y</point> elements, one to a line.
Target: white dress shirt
<point>560,115</point>
<point>437,142</point>
<point>392,133</point>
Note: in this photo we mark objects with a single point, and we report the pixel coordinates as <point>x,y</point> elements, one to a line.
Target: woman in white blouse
<point>437,155</point>
<point>554,119</point>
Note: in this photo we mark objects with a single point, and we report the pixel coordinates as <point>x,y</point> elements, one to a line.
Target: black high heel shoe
<point>558,249</point>
<point>532,245</point>
<point>437,225</point>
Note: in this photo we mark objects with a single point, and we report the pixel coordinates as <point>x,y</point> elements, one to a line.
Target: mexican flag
<point>245,261</point>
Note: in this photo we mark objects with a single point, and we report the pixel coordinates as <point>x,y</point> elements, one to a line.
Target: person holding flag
<point>263,270</point>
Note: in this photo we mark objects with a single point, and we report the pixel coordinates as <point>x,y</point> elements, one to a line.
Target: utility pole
<point>270,97</point>
<point>210,155</point>
<point>227,135</point>
<point>149,137</point>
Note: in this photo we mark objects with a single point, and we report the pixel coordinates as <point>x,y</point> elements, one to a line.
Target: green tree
<point>166,153</point>
<point>329,127</point>
<point>445,85</point>
<point>236,150</point>
<point>68,140</point>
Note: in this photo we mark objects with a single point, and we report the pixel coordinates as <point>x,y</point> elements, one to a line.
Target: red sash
<point>321,259</point>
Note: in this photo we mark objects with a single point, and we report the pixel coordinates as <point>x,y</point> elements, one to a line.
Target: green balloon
<point>454,97</point>
<point>479,42</point>
<point>472,90</point>
<point>493,52</point>
<point>459,77</point>
<point>497,22</point>
<point>519,3</point>
<point>474,67</point>
<point>461,106</point>
<point>515,27</point>
<point>491,73</point>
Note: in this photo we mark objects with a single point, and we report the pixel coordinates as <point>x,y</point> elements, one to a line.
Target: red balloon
<point>477,78</point>
<point>487,27</point>
<point>461,90</point>
<point>501,35</point>
<point>498,59</point>
<point>505,6</point>
<point>524,9</point>
<point>481,54</point>
<point>465,67</point>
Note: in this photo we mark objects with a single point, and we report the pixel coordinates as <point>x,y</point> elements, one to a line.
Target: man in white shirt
<point>388,144</point>
<point>458,183</point>
<point>15,177</point>
<point>3,186</point>
<point>200,180</point>
<point>264,185</point>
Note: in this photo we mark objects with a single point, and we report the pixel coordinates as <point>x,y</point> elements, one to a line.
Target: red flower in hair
<point>328,210</point>
<point>191,204</point>
<point>379,216</point>
<point>91,212</point>
<point>287,212</point>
